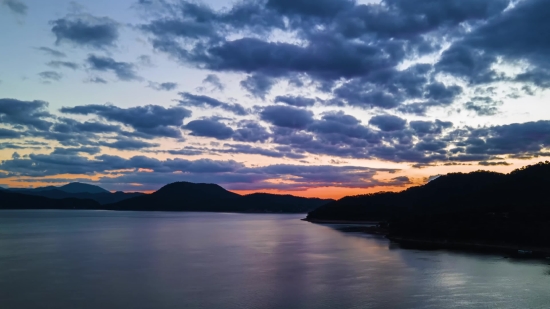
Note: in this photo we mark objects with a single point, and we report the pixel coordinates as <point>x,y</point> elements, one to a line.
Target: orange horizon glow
<point>417,177</point>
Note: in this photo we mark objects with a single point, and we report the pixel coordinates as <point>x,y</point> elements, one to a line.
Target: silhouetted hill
<point>435,196</point>
<point>78,191</point>
<point>186,196</point>
<point>101,198</point>
<point>77,187</point>
<point>73,187</point>
<point>12,200</point>
<point>486,208</point>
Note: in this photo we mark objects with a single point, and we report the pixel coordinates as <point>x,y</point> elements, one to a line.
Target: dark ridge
<point>73,187</point>
<point>77,187</point>
<point>101,198</point>
<point>186,196</point>
<point>435,196</point>
<point>189,190</point>
<point>509,210</point>
<point>12,200</point>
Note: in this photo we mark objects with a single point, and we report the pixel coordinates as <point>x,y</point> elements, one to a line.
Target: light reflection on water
<point>91,259</point>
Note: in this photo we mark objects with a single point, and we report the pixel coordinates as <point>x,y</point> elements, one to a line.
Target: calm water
<point>94,259</point>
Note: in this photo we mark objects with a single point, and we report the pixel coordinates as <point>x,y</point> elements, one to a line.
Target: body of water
<point>103,259</point>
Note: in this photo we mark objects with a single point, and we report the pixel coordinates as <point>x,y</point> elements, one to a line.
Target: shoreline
<point>350,222</point>
<point>511,249</point>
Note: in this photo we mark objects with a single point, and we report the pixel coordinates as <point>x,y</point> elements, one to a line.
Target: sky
<point>322,98</point>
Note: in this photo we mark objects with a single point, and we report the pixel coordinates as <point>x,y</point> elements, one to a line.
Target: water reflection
<point>87,259</point>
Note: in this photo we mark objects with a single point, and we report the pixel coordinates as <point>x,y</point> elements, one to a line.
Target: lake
<point>102,259</point>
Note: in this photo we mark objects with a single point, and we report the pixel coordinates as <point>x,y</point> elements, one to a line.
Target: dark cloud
<point>15,146</point>
<point>214,81</point>
<point>123,70</point>
<point>16,6</point>
<point>68,125</point>
<point>355,51</point>
<point>250,131</point>
<point>248,149</point>
<point>76,151</point>
<point>51,75</point>
<point>163,86</point>
<point>287,116</point>
<point>487,163</point>
<point>188,151</point>
<point>442,94</point>
<point>209,128</point>
<point>86,30</point>
<point>30,114</point>
<point>322,8</point>
<point>516,138</point>
<point>483,106</point>
<point>96,80</point>
<point>230,174</point>
<point>514,36</point>
<point>52,52</point>
<point>128,144</point>
<point>63,64</point>
<point>388,122</point>
<point>152,120</point>
<point>6,133</point>
<point>258,85</point>
<point>429,127</point>
<point>295,101</point>
<point>203,101</point>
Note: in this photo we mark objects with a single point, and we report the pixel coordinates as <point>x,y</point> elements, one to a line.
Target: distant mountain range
<point>179,196</point>
<point>79,191</point>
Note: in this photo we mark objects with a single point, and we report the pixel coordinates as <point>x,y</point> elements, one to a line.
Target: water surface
<point>102,259</point>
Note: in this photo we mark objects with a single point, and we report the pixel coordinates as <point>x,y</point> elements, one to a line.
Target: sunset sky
<point>319,98</point>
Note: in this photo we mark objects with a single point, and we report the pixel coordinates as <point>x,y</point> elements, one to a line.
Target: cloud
<point>128,144</point>
<point>16,6</point>
<point>51,75</point>
<point>163,86</point>
<point>68,125</point>
<point>258,85</point>
<point>96,80</point>
<point>52,52</point>
<point>8,134</point>
<point>76,151</point>
<point>63,64</point>
<point>429,127</point>
<point>209,128</point>
<point>150,120</point>
<point>483,106</point>
<point>203,101</point>
<point>388,122</point>
<point>86,31</point>
<point>123,70</point>
<point>486,163</point>
<point>281,152</point>
<point>250,131</point>
<point>364,55</point>
<point>287,116</point>
<point>231,174</point>
<point>30,114</point>
<point>214,81</point>
<point>295,101</point>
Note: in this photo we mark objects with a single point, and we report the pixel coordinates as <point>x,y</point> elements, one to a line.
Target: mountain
<point>73,187</point>
<point>437,195</point>
<point>79,191</point>
<point>476,208</point>
<point>77,187</point>
<point>12,200</point>
<point>186,196</point>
